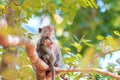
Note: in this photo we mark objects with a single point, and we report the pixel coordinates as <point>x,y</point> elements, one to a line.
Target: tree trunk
<point>41,75</point>
<point>8,62</point>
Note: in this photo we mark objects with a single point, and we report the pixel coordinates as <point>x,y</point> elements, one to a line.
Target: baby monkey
<point>48,49</point>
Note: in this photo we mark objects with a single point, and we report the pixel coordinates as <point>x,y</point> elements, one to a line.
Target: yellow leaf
<point>100,37</point>
<point>79,55</point>
<point>77,46</point>
<point>112,42</point>
<point>116,33</point>
<point>86,42</point>
<point>67,49</point>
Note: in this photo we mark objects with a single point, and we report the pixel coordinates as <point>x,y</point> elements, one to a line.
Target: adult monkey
<point>48,49</point>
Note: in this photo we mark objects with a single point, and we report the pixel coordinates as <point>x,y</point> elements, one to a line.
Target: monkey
<point>48,48</point>
<point>47,55</point>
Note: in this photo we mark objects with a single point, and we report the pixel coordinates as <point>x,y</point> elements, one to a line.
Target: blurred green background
<point>84,29</point>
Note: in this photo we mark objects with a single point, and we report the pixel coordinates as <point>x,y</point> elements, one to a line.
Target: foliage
<point>91,33</point>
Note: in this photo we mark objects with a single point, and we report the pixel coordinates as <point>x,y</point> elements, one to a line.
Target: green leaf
<point>21,50</point>
<point>29,35</point>
<point>24,20</point>
<point>75,38</point>
<point>77,77</point>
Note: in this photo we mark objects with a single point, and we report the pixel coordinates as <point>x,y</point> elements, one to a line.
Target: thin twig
<point>102,54</point>
<point>90,70</point>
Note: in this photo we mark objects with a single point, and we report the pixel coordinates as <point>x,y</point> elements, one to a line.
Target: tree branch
<point>90,70</point>
<point>29,46</point>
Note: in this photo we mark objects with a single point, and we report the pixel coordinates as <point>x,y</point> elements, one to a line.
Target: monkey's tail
<point>52,69</point>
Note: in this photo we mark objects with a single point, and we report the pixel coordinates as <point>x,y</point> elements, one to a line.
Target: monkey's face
<point>47,31</point>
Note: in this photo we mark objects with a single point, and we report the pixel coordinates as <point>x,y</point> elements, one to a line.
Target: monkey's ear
<point>40,29</point>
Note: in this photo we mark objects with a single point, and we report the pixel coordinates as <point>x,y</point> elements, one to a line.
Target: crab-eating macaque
<point>48,49</point>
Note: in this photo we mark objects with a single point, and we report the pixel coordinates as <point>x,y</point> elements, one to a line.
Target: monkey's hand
<point>46,58</point>
<point>46,42</point>
<point>43,42</point>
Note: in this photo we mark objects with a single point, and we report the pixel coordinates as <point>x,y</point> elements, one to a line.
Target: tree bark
<point>10,65</point>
